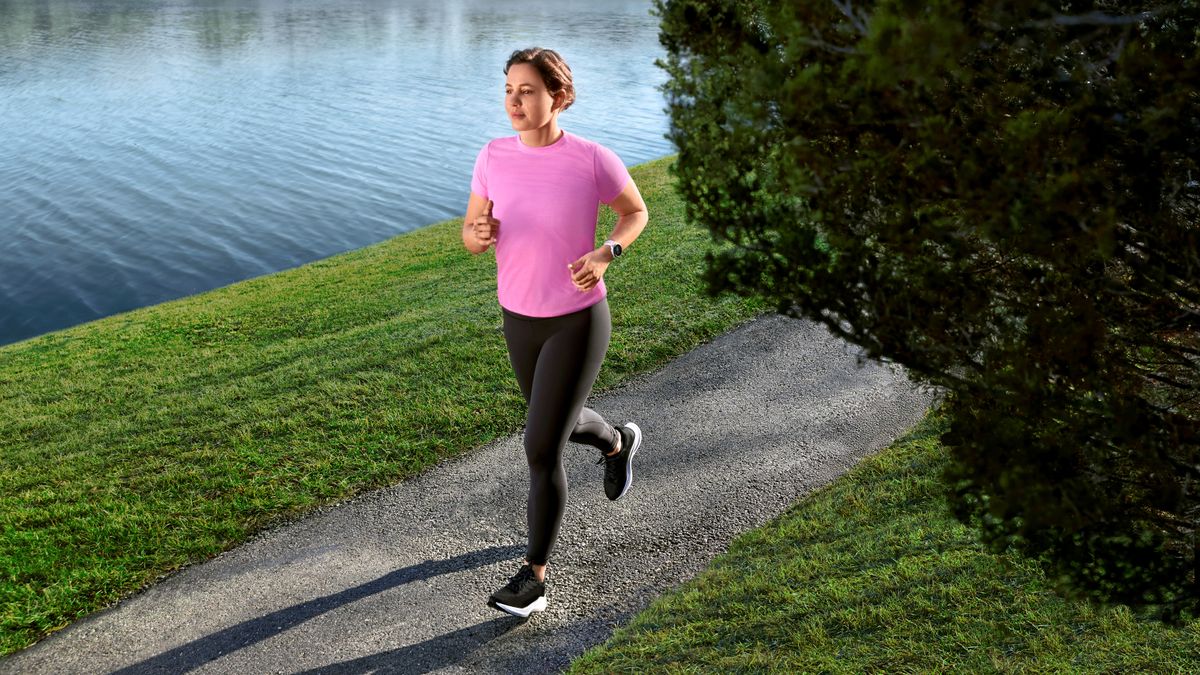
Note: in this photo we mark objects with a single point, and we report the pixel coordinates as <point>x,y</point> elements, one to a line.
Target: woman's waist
<point>546,313</point>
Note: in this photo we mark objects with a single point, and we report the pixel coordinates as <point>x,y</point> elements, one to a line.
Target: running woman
<point>535,196</point>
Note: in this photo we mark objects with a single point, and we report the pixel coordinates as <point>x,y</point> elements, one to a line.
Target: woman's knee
<point>541,451</point>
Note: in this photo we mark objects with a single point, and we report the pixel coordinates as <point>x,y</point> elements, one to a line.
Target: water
<point>151,150</point>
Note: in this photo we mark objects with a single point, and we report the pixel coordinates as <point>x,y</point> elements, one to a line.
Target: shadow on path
<point>422,657</point>
<point>199,652</point>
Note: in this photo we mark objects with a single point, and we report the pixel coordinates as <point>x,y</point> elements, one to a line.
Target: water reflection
<point>152,150</point>
<point>224,26</point>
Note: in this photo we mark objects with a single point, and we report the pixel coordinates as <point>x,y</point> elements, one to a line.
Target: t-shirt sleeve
<point>479,174</point>
<point>611,174</point>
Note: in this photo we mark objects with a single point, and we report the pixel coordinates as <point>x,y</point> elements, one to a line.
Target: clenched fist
<point>486,229</point>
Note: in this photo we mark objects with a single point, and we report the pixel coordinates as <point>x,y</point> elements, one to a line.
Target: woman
<point>535,197</point>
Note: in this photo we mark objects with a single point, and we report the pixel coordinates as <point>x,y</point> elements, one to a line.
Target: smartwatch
<point>614,247</point>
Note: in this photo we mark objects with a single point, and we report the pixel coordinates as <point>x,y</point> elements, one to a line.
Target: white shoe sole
<point>538,605</point>
<point>637,443</point>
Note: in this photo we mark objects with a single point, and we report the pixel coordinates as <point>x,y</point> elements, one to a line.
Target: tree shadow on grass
<point>199,652</point>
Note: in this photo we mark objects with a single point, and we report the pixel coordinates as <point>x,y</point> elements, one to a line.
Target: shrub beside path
<point>396,580</point>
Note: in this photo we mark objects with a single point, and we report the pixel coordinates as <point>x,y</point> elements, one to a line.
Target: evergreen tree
<point>1003,197</point>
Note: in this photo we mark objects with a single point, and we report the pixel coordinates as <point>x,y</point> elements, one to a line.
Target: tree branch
<point>1096,18</point>
<point>829,47</point>
<point>856,19</point>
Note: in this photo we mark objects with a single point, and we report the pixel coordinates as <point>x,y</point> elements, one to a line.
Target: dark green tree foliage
<point>1002,197</point>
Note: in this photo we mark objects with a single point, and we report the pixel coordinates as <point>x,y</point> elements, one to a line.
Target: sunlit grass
<point>143,442</point>
<point>871,574</point>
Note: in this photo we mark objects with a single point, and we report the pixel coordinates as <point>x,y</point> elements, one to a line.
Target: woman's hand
<point>587,271</point>
<point>485,229</point>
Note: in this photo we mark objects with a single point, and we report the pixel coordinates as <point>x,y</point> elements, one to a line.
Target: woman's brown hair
<point>555,72</point>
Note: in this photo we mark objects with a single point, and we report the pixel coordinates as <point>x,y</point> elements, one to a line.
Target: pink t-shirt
<point>547,200</point>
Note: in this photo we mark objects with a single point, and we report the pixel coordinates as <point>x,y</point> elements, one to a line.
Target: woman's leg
<point>525,337</point>
<point>591,429</point>
<point>524,342</point>
<point>566,367</point>
<point>524,345</point>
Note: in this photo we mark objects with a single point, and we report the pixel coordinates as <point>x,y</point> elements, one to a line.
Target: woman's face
<point>526,98</point>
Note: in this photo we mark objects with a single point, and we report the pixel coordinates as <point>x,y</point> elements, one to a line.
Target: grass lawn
<point>140,443</point>
<point>872,574</point>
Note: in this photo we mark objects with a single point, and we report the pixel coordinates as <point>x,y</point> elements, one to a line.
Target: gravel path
<point>396,580</point>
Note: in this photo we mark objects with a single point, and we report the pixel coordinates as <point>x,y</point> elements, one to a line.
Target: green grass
<point>872,574</point>
<point>147,441</point>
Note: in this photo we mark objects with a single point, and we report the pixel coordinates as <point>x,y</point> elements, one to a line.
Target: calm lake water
<point>151,150</point>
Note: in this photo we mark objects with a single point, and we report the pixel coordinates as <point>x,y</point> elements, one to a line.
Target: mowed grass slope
<point>140,443</point>
<point>872,574</point>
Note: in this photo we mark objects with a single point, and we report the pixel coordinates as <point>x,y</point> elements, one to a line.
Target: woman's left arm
<point>631,220</point>
<point>632,216</point>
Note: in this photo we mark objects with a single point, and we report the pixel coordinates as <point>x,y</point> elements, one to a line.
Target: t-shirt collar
<point>553,147</point>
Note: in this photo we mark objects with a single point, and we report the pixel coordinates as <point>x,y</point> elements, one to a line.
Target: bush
<point>1002,197</point>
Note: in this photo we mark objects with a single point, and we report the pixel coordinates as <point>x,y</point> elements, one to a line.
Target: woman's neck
<point>542,136</point>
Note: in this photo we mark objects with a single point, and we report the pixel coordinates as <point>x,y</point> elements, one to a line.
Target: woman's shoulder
<point>507,138</point>
<point>499,142</point>
<point>491,148</point>
<point>593,146</point>
<point>600,154</point>
<point>596,150</point>
<point>584,141</point>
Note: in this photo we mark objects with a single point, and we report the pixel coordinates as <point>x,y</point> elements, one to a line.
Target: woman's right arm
<point>480,229</point>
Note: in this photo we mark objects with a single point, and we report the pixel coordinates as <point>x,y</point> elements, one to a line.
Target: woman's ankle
<point>539,571</point>
<point>616,447</point>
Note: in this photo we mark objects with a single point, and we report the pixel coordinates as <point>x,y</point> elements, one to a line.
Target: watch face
<point>616,250</point>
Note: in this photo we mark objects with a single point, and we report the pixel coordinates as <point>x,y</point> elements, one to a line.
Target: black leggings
<point>556,360</point>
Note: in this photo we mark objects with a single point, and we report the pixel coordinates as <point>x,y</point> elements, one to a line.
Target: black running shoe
<point>522,596</point>
<point>618,468</point>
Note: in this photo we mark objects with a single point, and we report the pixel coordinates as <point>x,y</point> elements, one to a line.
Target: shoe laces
<point>612,467</point>
<point>524,575</point>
